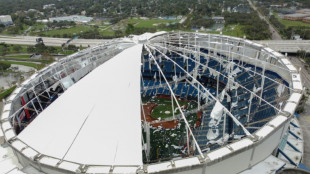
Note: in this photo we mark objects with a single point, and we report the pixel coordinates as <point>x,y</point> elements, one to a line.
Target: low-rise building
<point>6,20</point>
<point>296,37</point>
<point>296,16</point>
<point>306,19</point>
<point>218,19</point>
<point>303,11</point>
<point>74,18</point>
<point>47,6</point>
<point>241,9</point>
<point>42,21</point>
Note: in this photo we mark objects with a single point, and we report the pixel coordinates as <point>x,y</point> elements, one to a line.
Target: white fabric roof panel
<point>96,121</point>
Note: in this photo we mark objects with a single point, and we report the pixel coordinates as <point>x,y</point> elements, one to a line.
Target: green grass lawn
<point>24,51</point>
<point>19,56</point>
<point>7,30</point>
<point>168,143</point>
<point>159,111</point>
<point>12,51</point>
<point>149,23</point>
<point>107,32</point>
<point>66,52</point>
<point>288,23</point>
<point>165,141</point>
<point>34,65</point>
<point>166,105</point>
<point>27,59</point>
<point>74,30</point>
<point>234,30</point>
<point>36,27</point>
<point>7,92</point>
<point>230,30</point>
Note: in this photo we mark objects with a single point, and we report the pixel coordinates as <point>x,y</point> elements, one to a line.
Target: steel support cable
<point>235,53</point>
<point>233,82</point>
<point>214,37</point>
<point>225,109</point>
<point>59,64</point>
<point>172,93</point>
<point>41,82</point>
<point>231,61</point>
<point>216,57</point>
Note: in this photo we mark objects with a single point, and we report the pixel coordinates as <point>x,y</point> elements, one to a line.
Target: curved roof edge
<point>211,158</point>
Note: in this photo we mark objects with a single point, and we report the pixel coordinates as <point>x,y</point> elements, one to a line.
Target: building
<point>303,11</point>
<point>177,102</point>
<point>218,19</point>
<point>295,16</point>
<point>83,12</point>
<point>42,21</point>
<point>296,37</point>
<point>306,20</point>
<point>6,20</point>
<point>74,18</point>
<point>275,6</point>
<point>241,9</point>
<point>229,9</point>
<point>48,6</point>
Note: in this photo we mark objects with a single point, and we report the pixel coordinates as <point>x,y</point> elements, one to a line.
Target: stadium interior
<point>199,93</point>
<point>194,73</point>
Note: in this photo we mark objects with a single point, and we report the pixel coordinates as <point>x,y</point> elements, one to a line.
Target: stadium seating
<point>255,114</point>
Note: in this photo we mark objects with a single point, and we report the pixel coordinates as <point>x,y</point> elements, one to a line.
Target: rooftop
<point>74,18</point>
<point>113,132</point>
<point>297,15</point>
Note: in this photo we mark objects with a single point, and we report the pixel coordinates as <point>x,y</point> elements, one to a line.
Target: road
<point>49,41</point>
<point>275,34</point>
<point>286,46</point>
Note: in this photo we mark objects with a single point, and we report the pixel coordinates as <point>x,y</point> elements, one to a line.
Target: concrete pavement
<point>49,41</point>
<point>286,46</point>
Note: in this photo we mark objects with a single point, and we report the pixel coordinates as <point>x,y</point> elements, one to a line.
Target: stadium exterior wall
<point>239,156</point>
<point>237,161</point>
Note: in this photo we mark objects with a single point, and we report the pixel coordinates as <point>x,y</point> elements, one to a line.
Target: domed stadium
<point>177,102</point>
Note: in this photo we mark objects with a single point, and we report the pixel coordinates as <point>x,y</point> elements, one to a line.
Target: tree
<point>30,49</point>
<point>51,49</point>
<point>4,66</point>
<point>115,20</point>
<point>4,51</point>
<point>118,33</point>
<point>47,56</point>
<point>14,29</point>
<point>40,47</point>
<point>17,48</point>
<point>72,47</point>
<point>130,29</point>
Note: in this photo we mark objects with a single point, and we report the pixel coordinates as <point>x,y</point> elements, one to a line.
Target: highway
<point>284,46</point>
<point>49,41</point>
